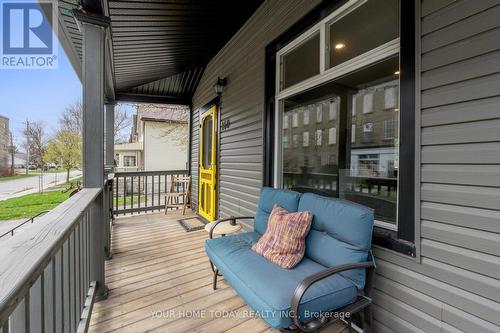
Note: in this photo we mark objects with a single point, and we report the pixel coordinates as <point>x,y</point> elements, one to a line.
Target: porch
<point>159,280</point>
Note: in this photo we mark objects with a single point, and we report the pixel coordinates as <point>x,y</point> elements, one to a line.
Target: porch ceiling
<point>159,48</point>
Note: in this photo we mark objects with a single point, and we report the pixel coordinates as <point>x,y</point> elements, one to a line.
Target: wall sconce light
<point>219,85</point>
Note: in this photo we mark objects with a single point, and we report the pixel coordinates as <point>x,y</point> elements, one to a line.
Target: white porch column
<point>93,29</point>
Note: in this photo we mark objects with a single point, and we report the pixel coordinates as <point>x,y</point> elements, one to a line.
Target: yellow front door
<point>208,165</point>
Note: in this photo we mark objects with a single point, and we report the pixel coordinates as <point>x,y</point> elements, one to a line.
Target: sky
<point>39,94</point>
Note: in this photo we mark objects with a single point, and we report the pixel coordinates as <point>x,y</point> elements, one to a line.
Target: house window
<point>305,139</point>
<point>319,112</point>
<point>319,137</point>
<point>295,119</point>
<point>374,149</point>
<point>129,161</point>
<point>306,116</point>
<point>332,136</point>
<point>285,122</point>
<point>286,143</point>
<point>360,93</point>
<point>292,69</point>
<point>388,129</point>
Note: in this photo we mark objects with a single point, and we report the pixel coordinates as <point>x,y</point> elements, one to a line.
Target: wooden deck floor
<point>160,281</point>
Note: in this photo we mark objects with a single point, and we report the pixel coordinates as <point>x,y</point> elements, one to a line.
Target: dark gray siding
<point>242,62</point>
<point>454,286</point>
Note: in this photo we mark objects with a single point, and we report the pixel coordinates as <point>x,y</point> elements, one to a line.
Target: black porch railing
<point>142,191</point>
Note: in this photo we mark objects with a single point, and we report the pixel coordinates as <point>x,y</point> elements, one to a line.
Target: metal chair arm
<point>310,280</point>
<point>232,220</point>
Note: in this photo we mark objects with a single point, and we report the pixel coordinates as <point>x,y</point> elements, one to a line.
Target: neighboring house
<point>4,142</point>
<point>158,141</point>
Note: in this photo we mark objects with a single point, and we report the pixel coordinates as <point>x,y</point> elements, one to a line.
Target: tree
<point>72,119</point>
<point>36,145</point>
<point>65,149</point>
<point>12,152</point>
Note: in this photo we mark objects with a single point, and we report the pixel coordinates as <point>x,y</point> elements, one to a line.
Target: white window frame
<point>372,56</point>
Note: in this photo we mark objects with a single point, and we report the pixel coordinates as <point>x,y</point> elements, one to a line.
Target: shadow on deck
<point>160,280</point>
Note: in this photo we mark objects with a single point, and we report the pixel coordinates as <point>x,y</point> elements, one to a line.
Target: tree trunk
<point>67,175</point>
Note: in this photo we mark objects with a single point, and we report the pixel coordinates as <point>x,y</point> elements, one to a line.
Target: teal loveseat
<point>333,281</point>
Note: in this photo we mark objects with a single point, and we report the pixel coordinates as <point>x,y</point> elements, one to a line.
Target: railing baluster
<point>19,320</point>
<point>78,287</point>
<point>152,191</point>
<point>59,291</point>
<point>116,181</point>
<point>139,192</point>
<point>36,304</point>
<point>48,297</point>
<point>132,193</point>
<point>124,192</point>
<point>159,191</point>
<point>66,288</point>
<point>146,192</point>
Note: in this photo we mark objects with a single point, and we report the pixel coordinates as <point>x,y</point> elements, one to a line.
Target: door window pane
<point>300,63</point>
<point>207,142</point>
<point>372,24</point>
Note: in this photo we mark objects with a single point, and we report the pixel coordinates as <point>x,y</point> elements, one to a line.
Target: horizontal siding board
<point>411,315</point>
<point>486,153</point>
<point>478,131</point>
<point>478,262</point>
<point>473,282</point>
<point>455,12</point>
<point>482,109</point>
<point>462,299</point>
<point>388,318</point>
<point>431,6</point>
<point>409,296</point>
<point>470,196</point>
<point>482,87</point>
<point>480,175</point>
<point>471,47</point>
<point>463,70</point>
<point>482,219</point>
<point>467,322</point>
<point>477,240</point>
<point>461,30</point>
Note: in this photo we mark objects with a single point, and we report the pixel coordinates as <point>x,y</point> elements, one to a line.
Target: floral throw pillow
<point>284,242</point>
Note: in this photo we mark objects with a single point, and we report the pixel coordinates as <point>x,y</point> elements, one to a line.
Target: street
<point>18,187</point>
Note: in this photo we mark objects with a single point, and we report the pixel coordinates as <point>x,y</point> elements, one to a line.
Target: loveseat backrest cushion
<point>341,233</point>
<point>289,200</point>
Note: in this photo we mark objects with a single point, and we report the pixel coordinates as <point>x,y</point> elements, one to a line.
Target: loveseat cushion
<point>341,233</point>
<point>269,196</point>
<point>267,288</point>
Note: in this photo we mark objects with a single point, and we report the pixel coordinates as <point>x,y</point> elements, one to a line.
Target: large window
<point>129,161</point>
<point>346,112</point>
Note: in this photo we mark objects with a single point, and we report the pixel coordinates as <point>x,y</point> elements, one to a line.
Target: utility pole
<point>12,153</point>
<point>27,146</point>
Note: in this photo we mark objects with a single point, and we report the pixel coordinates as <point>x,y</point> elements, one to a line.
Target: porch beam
<point>140,98</point>
<point>93,29</point>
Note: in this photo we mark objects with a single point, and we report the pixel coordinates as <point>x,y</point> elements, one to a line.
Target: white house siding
<point>162,151</point>
<point>242,61</point>
<point>455,284</point>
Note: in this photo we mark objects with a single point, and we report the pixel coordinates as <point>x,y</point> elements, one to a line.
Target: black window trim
<point>402,240</point>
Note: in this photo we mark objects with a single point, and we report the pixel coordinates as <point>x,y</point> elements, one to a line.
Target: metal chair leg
<point>216,274</point>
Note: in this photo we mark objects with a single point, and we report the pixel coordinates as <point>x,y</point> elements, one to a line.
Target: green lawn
<point>30,204</point>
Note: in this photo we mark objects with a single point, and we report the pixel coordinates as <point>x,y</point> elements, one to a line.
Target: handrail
<point>24,260</point>
<point>31,219</point>
<point>149,173</point>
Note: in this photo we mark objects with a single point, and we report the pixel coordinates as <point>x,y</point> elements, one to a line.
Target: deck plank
<point>159,276</point>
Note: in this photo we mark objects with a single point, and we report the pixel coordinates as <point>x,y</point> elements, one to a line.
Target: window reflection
<point>347,145</point>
